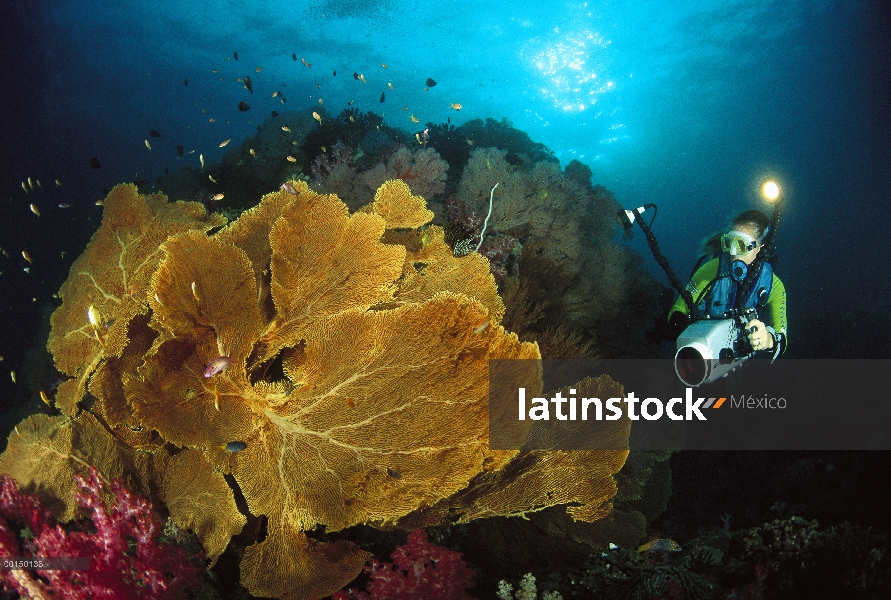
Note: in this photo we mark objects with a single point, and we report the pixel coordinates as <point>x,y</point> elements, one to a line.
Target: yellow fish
<point>384,65</point>
<point>24,187</point>
<point>148,145</point>
<point>286,128</point>
<point>201,158</point>
<point>211,178</point>
<point>291,159</point>
<point>252,152</point>
<point>225,143</point>
<point>390,85</point>
<point>318,118</point>
<point>414,119</point>
<point>58,183</point>
<point>218,197</point>
<point>34,210</point>
<point>45,398</point>
<point>362,78</point>
<point>455,105</point>
<point>258,69</point>
<point>320,102</point>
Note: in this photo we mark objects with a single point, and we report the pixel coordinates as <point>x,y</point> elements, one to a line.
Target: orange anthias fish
<point>660,545</point>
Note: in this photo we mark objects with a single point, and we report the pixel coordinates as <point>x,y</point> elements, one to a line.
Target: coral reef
<point>420,569</point>
<point>350,387</point>
<point>527,590</point>
<point>126,559</point>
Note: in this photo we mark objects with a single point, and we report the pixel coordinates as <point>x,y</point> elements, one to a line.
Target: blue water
<point>687,107</point>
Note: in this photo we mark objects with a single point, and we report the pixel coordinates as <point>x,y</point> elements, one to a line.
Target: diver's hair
<point>754,219</point>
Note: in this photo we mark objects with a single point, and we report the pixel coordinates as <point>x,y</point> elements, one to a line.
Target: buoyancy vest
<point>721,295</point>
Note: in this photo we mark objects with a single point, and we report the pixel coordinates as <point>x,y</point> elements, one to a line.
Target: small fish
<point>351,402</point>
<point>355,76</point>
<point>324,149</point>
<point>30,183</point>
<point>247,84</point>
<point>216,70</point>
<point>148,145</point>
<point>34,210</point>
<point>58,183</point>
<point>413,118</point>
<point>185,82</point>
<point>64,205</point>
<point>218,197</point>
<point>38,183</point>
<point>251,150</point>
<point>24,187</point>
<point>12,376</point>
<point>456,106</point>
<point>94,163</point>
<point>294,56</point>
<point>382,97</point>
<point>179,150</point>
<point>233,446</point>
<point>660,545</point>
<point>158,300</point>
<point>430,82</point>
<point>201,158</point>
<point>276,94</point>
<point>195,290</point>
<point>211,179</point>
<point>291,159</point>
<point>133,289</point>
<point>418,137</point>
<point>274,114</point>
<point>243,106</point>
<point>285,128</point>
<point>217,366</point>
<point>481,327</point>
<point>258,69</point>
<point>45,398</point>
<point>334,74</point>
<point>26,256</point>
<point>235,55</point>
<point>384,65</point>
<point>99,203</point>
<point>390,85</point>
<point>305,64</point>
<point>288,188</point>
<point>321,102</point>
<point>94,316</point>
<point>393,473</point>
<point>212,120</point>
<point>352,120</point>
<point>154,133</point>
<point>225,143</point>
<point>350,103</point>
<point>362,78</point>
<point>318,118</point>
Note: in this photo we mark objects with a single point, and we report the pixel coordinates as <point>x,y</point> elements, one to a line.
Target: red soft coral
<point>420,569</point>
<point>126,560</point>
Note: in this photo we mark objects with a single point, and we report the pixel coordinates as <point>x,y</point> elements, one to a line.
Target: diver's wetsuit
<point>772,314</point>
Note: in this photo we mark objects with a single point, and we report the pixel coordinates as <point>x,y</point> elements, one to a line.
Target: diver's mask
<point>737,243</point>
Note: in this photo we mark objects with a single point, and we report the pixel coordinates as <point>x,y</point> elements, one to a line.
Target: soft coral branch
<point>126,560</point>
<point>420,569</point>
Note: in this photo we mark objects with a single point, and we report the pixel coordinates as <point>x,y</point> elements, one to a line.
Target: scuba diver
<point>720,275</point>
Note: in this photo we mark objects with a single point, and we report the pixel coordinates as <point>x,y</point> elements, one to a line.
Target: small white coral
<point>527,591</point>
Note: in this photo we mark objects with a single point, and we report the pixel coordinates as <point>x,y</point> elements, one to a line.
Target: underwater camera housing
<point>712,347</point>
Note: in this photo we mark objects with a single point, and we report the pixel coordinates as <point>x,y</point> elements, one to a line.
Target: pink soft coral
<point>420,569</point>
<point>126,560</point>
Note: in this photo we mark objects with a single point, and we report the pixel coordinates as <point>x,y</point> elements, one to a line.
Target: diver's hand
<point>759,337</point>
